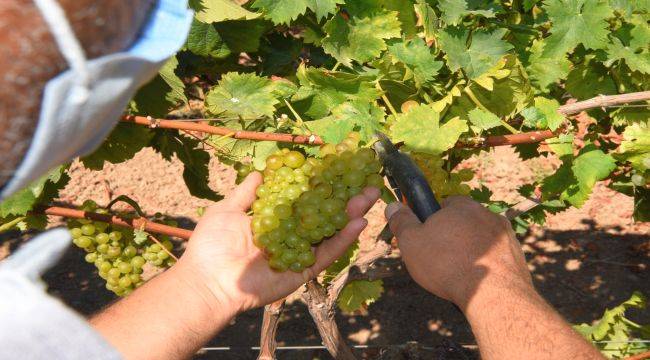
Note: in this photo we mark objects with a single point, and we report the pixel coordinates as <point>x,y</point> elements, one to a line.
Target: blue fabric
<point>113,81</point>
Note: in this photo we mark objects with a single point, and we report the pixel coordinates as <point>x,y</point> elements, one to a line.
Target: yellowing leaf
<point>359,293</point>
<point>421,131</point>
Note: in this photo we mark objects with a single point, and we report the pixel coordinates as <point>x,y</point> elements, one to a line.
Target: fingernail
<point>391,209</point>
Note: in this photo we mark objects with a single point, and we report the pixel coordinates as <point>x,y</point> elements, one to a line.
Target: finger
<point>331,249</point>
<point>359,204</point>
<point>400,218</point>
<point>456,200</point>
<point>243,196</point>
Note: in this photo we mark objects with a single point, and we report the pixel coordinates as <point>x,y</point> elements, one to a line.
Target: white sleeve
<point>35,325</point>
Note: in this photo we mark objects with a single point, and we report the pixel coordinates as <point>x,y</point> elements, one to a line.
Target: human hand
<point>460,251</point>
<point>221,255</point>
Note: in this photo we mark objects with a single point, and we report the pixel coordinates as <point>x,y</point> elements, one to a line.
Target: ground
<point>583,260</point>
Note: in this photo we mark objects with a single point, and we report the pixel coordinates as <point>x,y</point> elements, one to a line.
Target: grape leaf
<point>640,33</point>
<point>321,90</point>
<point>453,11</point>
<point>341,263</point>
<point>428,19</point>
<point>485,50</point>
<point>168,74</point>
<point>220,10</point>
<point>417,58</point>
<point>405,15</point>
<point>322,8</point>
<point>592,165</point>
<point>562,145</point>
<point>483,120</point>
<point>281,11</point>
<point>122,144</point>
<point>549,116</point>
<point>359,39</point>
<point>245,95</point>
<point>588,80</point>
<point>635,146</point>
<point>38,192</point>
<point>242,35</point>
<point>545,71</point>
<point>636,62</point>
<point>359,293</point>
<point>204,40</point>
<point>195,161</point>
<point>421,131</point>
<point>576,22</point>
<point>366,118</point>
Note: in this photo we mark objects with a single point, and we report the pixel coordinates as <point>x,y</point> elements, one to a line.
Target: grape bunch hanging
<point>443,183</point>
<point>116,252</point>
<point>303,200</point>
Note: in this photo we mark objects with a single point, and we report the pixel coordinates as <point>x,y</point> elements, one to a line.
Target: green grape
<point>163,255</point>
<point>287,224</point>
<point>135,278</point>
<point>88,229</point>
<point>310,221</point>
<point>339,220</point>
<point>284,173</point>
<point>296,267</point>
<point>275,248</point>
<point>638,180</point>
<point>154,248</point>
<point>375,180</point>
<point>137,262</point>
<point>125,281</point>
<point>114,273</point>
<point>323,190</point>
<point>354,178</point>
<point>289,256</point>
<point>91,257</point>
<point>277,264</point>
<point>465,175</point>
<point>83,241</point>
<point>167,244</point>
<point>330,207</point>
<point>125,267</point>
<point>100,226</point>
<point>269,223</point>
<point>115,236</point>
<point>105,266</point>
<point>306,258</point>
<point>302,245</point>
<point>274,162</point>
<point>75,233</point>
<point>102,248</point>
<point>258,205</point>
<point>129,251</point>
<point>328,229</point>
<point>102,238</point>
<point>157,262</point>
<point>113,251</point>
<point>294,159</point>
<point>292,240</point>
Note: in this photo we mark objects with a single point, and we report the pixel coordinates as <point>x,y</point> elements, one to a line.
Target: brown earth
<point>583,261</point>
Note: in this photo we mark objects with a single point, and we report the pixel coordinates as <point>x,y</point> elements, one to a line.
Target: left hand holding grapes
<point>225,264</point>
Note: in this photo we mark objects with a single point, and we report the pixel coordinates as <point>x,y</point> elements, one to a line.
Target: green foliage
<point>614,334</point>
<point>40,191</point>
<point>359,293</point>
<point>421,130</point>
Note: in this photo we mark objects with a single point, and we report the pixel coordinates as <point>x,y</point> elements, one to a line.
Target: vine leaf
<point>588,80</point>
<point>160,94</point>
<point>341,263</point>
<point>421,131</point>
<point>361,38</point>
<point>211,11</point>
<point>576,22</point>
<point>417,58</point>
<point>485,50</point>
<point>204,40</point>
<point>636,62</point>
<point>321,90</point>
<point>245,95</point>
<point>366,118</point>
<point>483,120</point>
<point>281,11</point>
<point>428,19</point>
<point>195,162</point>
<point>545,71</point>
<point>322,8</point>
<point>453,11</point>
<point>359,293</point>
<point>635,146</point>
<point>544,115</point>
<point>40,191</point>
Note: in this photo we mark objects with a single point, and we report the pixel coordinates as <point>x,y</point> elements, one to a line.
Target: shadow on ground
<point>579,272</point>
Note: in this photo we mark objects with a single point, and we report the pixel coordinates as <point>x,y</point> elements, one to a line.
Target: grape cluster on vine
<point>443,183</point>
<point>303,200</point>
<point>115,252</point>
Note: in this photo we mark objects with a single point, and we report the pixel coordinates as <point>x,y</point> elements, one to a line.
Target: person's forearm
<point>169,317</point>
<point>513,321</point>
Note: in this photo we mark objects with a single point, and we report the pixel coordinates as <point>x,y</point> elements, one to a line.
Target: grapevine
<point>270,85</point>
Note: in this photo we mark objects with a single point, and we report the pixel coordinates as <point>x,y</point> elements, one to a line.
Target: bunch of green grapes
<point>442,183</point>
<point>303,200</point>
<point>113,250</point>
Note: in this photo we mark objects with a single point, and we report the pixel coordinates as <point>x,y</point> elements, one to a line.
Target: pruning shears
<point>406,179</point>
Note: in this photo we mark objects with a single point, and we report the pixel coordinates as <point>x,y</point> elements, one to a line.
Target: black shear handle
<point>413,187</point>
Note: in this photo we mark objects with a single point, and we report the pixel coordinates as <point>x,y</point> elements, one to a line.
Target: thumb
<point>243,195</point>
<point>400,218</point>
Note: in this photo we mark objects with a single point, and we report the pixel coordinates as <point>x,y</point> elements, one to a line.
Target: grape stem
<point>135,223</point>
<point>489,141</point>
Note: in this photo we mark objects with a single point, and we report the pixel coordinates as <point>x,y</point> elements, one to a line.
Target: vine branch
<point>489,141</point>
<point>270,323</point>
<point>135,223</point>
